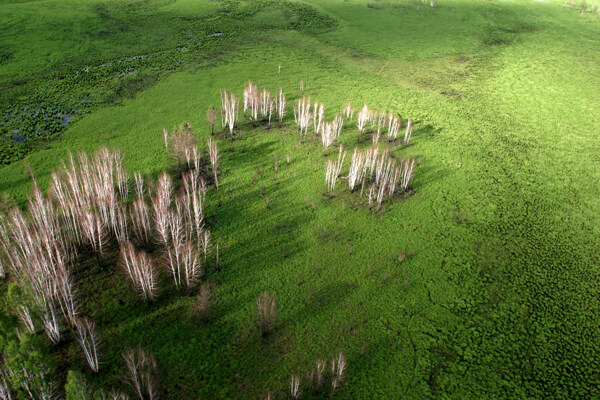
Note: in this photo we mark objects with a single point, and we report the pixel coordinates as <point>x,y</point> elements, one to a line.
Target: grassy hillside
<point>497,296</point>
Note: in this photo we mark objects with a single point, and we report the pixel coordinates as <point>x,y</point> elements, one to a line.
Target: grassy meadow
<point>482,283</point>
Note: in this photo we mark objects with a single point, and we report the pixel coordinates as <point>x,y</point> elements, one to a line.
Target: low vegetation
<point>448,252</point>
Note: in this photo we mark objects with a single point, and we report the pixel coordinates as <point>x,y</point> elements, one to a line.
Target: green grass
<point>186,8</point>
<point>84,56</point>
<point>498,295</point>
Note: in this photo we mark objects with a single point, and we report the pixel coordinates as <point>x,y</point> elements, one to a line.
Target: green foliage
<point>496,296</point>
<point>76,387</point>
<point>33,370</point>
<point>134,45</point>
<point>8,323</point>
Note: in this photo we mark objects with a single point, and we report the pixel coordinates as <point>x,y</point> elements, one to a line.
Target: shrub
<point>29,368</point>
<point>76,387</point>
<point>377,5</point>
<point>204,301</point>
<point>211,117</point>
<point>181,143</point>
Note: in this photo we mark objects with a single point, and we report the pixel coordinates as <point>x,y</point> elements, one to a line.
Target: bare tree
<point>254,106</point>
<point>362,118</point>
<point>250,95</point>
<point>176,240</point>
<point>271,108</point>
<point>192,267</point>
<point>280,102</point>
<point>265,100</point>
<point>327,135</point>
<point>94,230</point>
<point>338,125</point>
<point>377,135</point>
<point>318,116</point>
<point>139,185</point>
<point>316,375</point>
<point>338,371</point>
<point>50,321</point>
<point>333,170</point>
<point>408,166</point>
<point>380,170</point>
<point>121,176</point>
<point>348,111</point>
<point>302,114</point>
<point>5,392</point>
<point>213,152</point>
<point>38,264</point>
<point>230,107</point>
<point>140,220</point>
<point>373,116</point>
<point>142,371</point>
<point>205,241</point>
<point>161,203</point>
<point>102,194</point>
<point>394,125</point>
<point>87,336</point>
<point>408,133</point>
<point>295,387</point>
<point>378,118</point>
<point>139,268</point>
<point>194,199</point>
<point>64,293</point>
<point>357,170</point>
<point>120,228</point>
<point>25,316</point>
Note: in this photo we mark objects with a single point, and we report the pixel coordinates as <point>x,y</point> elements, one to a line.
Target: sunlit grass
<point>496,296</point>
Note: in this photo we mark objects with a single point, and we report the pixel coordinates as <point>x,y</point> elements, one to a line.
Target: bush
<point>31,367</point>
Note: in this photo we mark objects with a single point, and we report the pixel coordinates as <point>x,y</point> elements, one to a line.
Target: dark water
<point>66,119</point>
